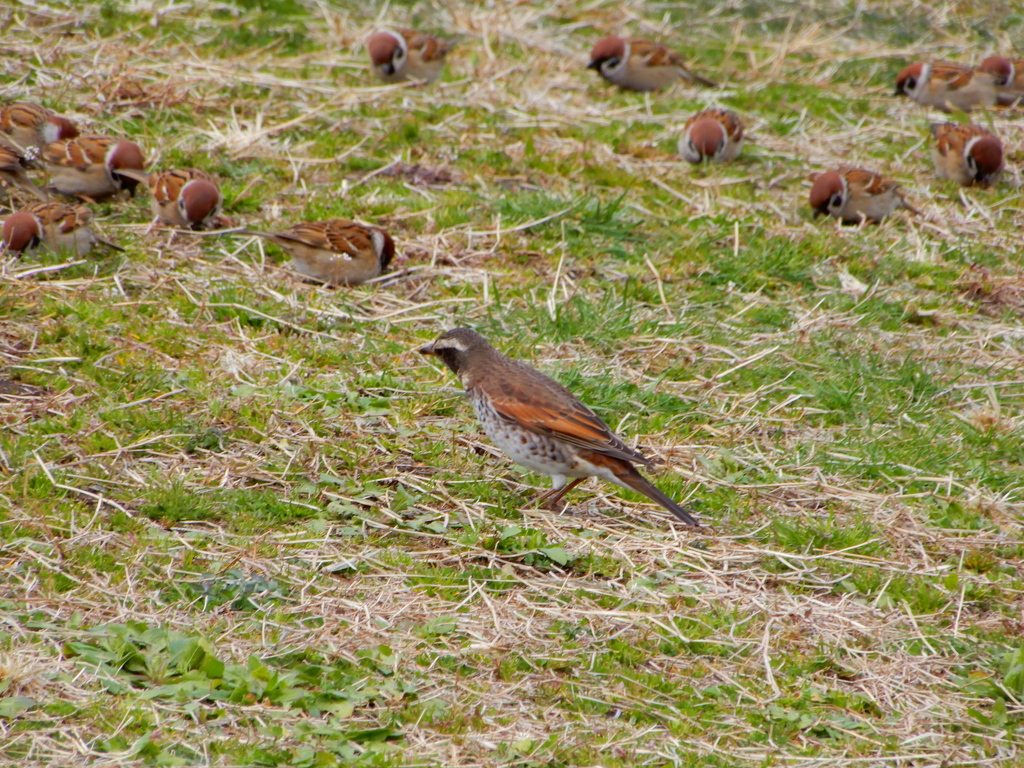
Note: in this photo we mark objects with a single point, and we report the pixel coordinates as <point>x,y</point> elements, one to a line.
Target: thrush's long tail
<point>633,479</point>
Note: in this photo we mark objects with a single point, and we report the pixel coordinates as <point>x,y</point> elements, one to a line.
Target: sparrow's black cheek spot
<point>125,183</point>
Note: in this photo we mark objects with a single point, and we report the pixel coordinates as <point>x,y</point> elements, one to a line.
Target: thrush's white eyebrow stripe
<point>449,344</point>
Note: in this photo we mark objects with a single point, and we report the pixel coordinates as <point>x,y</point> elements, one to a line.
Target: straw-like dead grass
<point>198,445</point>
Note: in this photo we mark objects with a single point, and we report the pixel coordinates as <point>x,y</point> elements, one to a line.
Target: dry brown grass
<point>614,659</point>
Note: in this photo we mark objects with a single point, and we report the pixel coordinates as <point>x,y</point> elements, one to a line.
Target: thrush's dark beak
<point>427,350</point>
<point>595,64</point>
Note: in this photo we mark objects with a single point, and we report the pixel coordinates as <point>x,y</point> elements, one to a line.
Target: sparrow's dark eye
<point>612,63</point>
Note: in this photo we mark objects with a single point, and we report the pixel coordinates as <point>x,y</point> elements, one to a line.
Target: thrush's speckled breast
<point>539,423</point>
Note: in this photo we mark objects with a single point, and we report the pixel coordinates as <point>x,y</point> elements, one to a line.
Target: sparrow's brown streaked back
<point>55,226</point>
<point>856,195</point>
<point>89,166</point>
<point>184,197</point>
<point>1009,78</point>
<point>636,64</point>
<point>29,125</point>
<point>970,154</point>
<point>336,251</point>
<point>540,424</point>
<point>714,134</point>
<point>407,55</point>
<point>947,86</point>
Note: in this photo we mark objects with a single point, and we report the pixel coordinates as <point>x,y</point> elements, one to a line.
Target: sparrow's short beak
<point>817,212</point>
<point>595,64</point>
<point>427,350</point>
<point>898,91</point>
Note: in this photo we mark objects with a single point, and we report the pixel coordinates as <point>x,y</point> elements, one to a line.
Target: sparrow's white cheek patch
<point>613,66</point>
<point>377,238</point>
<point>922,80</point>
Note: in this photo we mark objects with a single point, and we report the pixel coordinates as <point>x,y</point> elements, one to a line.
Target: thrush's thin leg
<point>551,498</point>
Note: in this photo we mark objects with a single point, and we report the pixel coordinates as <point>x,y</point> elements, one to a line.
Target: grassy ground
<point>243,522</point>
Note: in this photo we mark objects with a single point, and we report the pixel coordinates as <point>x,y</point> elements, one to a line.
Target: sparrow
<point>1009,74</point>
<point>640,65</point>
<point>407,55</point>
<point>854,195</point>
<point>947,86</point>
<point>540,424</point>
<point>12,170</point>
<point>88,166</point>
<point>336,252</point>
<point>55,226</point>
<point>967,154</point>
<point>187,198</point>
<point>28,125</point>
<point>715,134</point>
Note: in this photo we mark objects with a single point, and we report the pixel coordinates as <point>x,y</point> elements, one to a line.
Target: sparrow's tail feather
<point>701,79</point>
<point>905,203</point>
<point>22,182</point>
<point>633,479</point>
<point>135,175</point>
<point>255,233</point>
<point>109,244</point>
